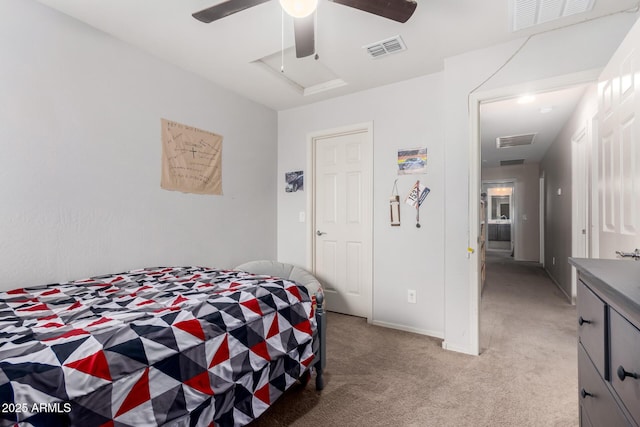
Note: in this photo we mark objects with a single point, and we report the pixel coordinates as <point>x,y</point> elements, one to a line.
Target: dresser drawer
<point>597,406</point>
<point>625,362</point>
<point>592,327</point>
<point>584,420</point>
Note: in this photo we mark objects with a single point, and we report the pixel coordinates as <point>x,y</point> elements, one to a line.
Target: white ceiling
<point>225,52</point>
<point>510,118</point>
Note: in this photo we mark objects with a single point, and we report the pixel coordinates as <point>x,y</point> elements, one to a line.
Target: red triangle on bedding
<point>201,383</point>
<point>95,365</point>
<point>252,305</point>
<point>222,354</point>
<point>274,329</point>
<point>294,290</point>
<point>263,394</point>
<point>138,395</point>
<point>191,326</point>
<point>179,299</point>
<point>261,350</point>
<point>38,307</point>
<point>100,321</point>
<point>71,333</point>
<point>304,327</point>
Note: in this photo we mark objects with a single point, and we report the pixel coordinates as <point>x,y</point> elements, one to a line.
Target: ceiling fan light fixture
<point>299,8</point>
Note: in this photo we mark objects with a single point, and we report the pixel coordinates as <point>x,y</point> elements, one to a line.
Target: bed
<point>180,346</point>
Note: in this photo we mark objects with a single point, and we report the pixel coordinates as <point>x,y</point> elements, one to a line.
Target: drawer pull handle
<point>584,393</point>
<point>622,374</point>
<point>581,321</point>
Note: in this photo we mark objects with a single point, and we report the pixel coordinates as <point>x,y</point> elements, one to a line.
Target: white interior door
<point>619,150</point>
<point>580,195</point>
<point>580,232</point>
<point>343,220</point>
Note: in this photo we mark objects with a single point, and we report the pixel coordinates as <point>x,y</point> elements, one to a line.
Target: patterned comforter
<point>184,346</point>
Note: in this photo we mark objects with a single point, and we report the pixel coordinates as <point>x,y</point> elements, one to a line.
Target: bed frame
<point>305,278</point>
<point>319,345</point>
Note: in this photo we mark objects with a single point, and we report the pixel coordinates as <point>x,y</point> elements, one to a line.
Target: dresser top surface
<point>614,278</point>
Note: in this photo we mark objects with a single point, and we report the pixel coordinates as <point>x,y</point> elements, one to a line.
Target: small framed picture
<point>412,161</point>
<point>295,181</point>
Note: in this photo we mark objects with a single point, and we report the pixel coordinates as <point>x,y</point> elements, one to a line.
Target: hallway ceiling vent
<point>527,13</point>
<point>511,162</point>
<point>515,140</point>
<point>385,47</point>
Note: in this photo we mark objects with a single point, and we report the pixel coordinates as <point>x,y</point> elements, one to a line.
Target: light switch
<point>302,216</point>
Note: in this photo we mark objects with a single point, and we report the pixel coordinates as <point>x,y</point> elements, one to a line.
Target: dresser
<point>608,311</point>
<point>500,232</point>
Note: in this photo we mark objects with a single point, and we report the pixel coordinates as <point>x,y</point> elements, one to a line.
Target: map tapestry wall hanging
<point>191,159</point>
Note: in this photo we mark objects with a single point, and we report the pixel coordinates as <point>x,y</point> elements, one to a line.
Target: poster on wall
<point>412,161</point>
<point>191,159</point>
<point>295,181</point>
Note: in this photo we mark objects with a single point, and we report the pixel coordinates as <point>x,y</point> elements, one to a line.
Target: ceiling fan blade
<point>226,8</point>
<point>305,35</point>
<point>397,10</point>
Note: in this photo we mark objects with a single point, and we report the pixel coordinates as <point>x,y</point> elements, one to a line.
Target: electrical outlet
<point>411,296</point>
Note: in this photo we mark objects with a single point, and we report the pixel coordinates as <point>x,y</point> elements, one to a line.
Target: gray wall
<point>557,167</point>
<point>527,204</point>
<point>80,158</point>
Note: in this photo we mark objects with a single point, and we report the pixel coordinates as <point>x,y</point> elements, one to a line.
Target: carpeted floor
<point>525,376</point>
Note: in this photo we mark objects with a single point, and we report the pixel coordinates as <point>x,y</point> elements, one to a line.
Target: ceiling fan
<point>303,12</point>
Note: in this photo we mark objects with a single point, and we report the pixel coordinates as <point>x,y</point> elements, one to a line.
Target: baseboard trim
<point>555,282</point>
<point>389,325</point>
<point>456,348</point>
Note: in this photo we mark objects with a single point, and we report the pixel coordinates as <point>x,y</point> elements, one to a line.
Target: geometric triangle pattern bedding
<point>179,346</point>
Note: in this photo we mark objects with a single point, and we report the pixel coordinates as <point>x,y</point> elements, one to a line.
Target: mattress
<point>156,346</point>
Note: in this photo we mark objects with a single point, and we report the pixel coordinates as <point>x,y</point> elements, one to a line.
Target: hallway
<point>519,296</point>
<point>527,320</point>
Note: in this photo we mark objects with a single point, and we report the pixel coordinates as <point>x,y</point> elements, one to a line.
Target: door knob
<point>320,233</point>
<point>635,254</point>
<point>581,321</point>
<point>622,373</point>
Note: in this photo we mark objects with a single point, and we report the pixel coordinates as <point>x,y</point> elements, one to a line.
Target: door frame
<point>542,213</point>
<point>580,197</point>
<point>475,180</point>
<point>510,183</point>
<point>312,139</point>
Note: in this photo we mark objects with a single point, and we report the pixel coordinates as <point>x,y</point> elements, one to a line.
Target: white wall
<point>80,158</point>
<point>557,167</point>
<point>527,205</point>
<point>404,115</point>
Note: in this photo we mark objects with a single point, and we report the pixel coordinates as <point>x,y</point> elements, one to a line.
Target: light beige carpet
<point>526,375</point>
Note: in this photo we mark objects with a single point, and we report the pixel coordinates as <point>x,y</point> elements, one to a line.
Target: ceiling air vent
<point>527,13</point>
<point>515,140</point>
<point>511,162</point>
<point>385,47</point>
